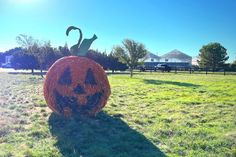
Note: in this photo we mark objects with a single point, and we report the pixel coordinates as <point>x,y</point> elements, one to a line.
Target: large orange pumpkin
<point>75,85</point>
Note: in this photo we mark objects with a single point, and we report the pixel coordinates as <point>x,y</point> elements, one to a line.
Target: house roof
<point>151,55</point>
<point>176,54</point>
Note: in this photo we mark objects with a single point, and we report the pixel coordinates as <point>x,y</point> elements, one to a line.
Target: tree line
<point>34,54</point>
<point>43,61</point>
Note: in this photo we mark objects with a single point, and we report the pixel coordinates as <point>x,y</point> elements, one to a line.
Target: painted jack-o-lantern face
<point>76,85</point>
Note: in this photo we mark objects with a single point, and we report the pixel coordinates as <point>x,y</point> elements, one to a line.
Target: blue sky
<point>161,25</point>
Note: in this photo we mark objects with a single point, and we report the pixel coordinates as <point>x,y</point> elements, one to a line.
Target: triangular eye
<point>65,78</point>
<point>79,90</point>
<point>90,79</point>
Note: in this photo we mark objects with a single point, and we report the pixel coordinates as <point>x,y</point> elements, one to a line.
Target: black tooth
<point>90,79</point>
<point>65,101</point>
<point>92,101</point>
<point>65,78</point>
<point>74,105</point>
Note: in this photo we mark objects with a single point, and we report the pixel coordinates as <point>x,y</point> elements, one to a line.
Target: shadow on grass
<point>103,136</point>
<point>159,82</point>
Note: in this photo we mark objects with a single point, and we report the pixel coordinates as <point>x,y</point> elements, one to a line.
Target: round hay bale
<point>76,85</point>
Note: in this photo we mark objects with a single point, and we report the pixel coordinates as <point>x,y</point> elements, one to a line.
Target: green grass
<point>152,114</point>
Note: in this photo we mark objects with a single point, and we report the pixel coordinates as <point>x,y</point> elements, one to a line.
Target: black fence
<point>193,70</point>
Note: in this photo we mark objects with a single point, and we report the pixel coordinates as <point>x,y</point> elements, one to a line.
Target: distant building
<point>195,61</point>
<point>174,59</point>
<point>7,63</point>
<point>150,57</point>
<point>8,59</point>
<point>151,60</point>
<point>177,59</point>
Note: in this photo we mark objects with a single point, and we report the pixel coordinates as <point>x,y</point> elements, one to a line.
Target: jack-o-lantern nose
<point>79,90</point>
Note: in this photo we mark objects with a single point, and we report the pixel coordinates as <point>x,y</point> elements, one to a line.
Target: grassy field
<point>150,115</point>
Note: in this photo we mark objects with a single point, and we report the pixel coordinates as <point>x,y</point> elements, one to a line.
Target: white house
<point>176,56</point>
<point>195,61</point>
<point>7,63</point>
<point>8,59</point>
<point>175,59</point>
<point>150,57</point>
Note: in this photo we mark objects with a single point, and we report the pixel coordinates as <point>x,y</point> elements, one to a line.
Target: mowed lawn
<point>150,115</point>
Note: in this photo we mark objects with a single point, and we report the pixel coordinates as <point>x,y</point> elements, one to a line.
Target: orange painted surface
<point>78,67</point>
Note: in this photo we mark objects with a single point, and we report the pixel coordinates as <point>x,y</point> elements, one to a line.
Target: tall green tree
<point>28,43</point>
<point>42,51</point>
<point>114,64</point>
<point>25,41</point>
<point>22,60</point>
<point>234,62</point>
<point>130,53</point>
<point>233,66</point>
<point>46,56</point>
<point>212,55</point>
<point>64,50</point>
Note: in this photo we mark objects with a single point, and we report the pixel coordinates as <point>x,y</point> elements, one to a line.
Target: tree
<point>114,64</point>
<point>2,58</point>
<point>9,53</point>
<point>98,57</point>
<point>46,56</point>
<point>233,66</point>
<point>39,52</point>
<point>130,53</point>
<point>212,55</point>
<point>234,62</point>
<point>42,51</point>
<point>21,60</point>
<point>27,43</point>
<point>106,61</point>
<point>64,51</point>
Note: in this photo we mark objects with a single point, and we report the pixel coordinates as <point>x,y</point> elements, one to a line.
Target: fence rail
<point>196,71</point>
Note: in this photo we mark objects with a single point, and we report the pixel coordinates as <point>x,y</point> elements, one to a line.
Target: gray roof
<point>151,55</point>
<point>176,54</point>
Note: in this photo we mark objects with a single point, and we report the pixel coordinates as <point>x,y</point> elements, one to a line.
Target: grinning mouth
<point>92,101</point>
<point>72,102</point>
